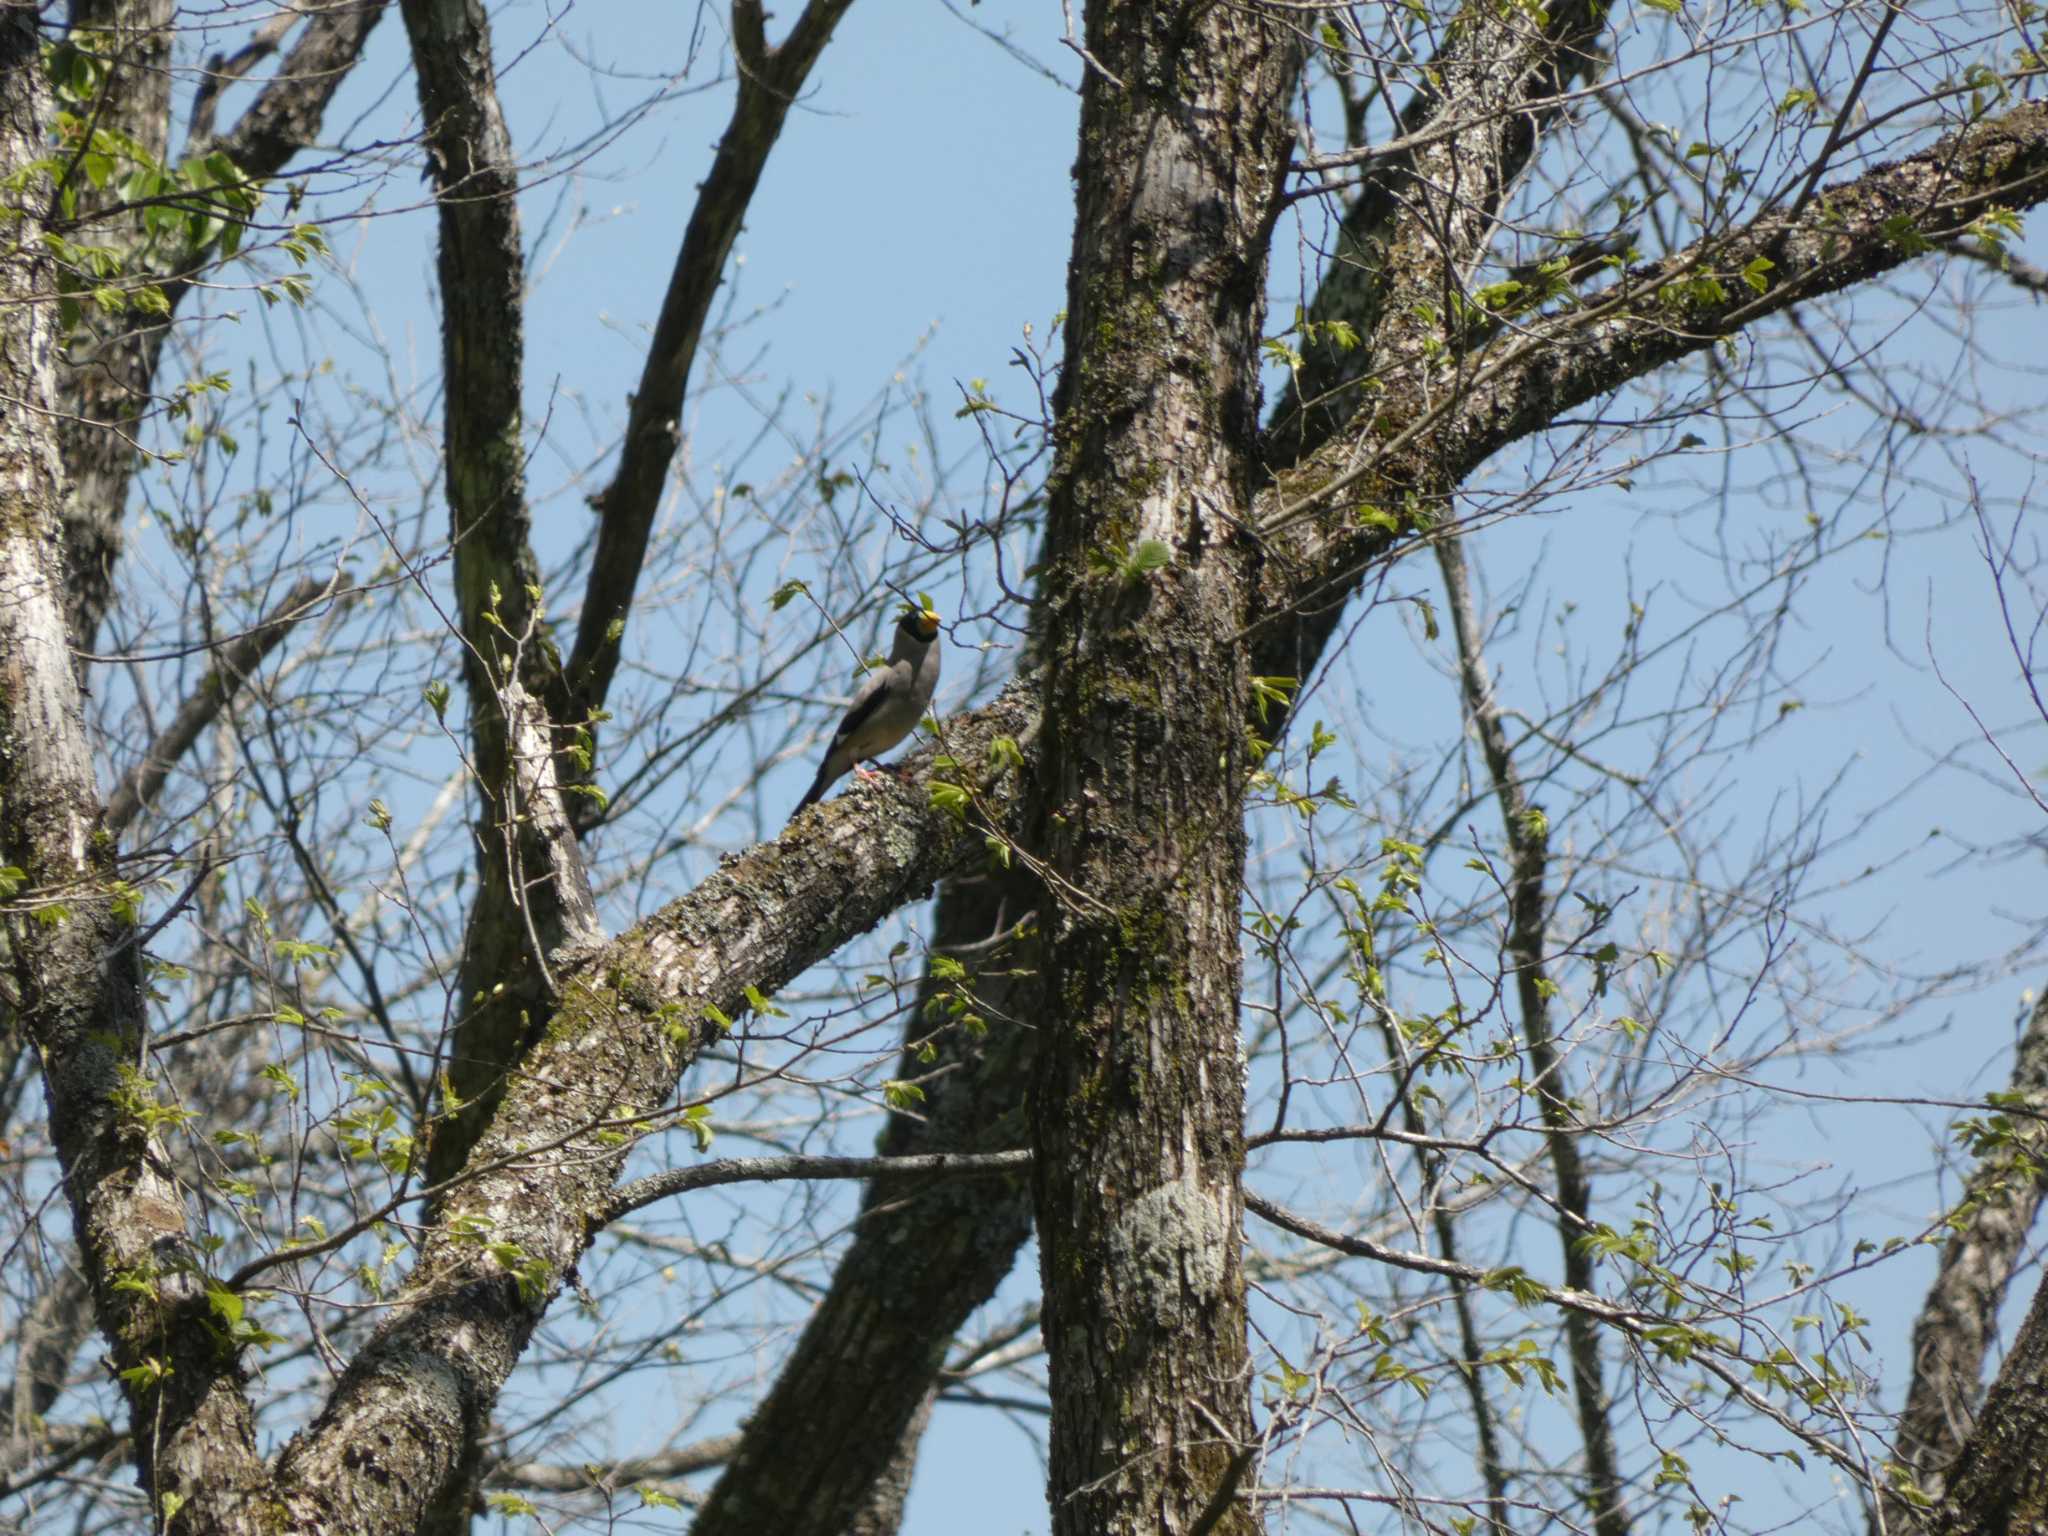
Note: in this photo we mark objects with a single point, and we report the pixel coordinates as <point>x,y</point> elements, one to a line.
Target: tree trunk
<point>1139,1113</point>
<point>1999,1486</point>
<point>75,962</point>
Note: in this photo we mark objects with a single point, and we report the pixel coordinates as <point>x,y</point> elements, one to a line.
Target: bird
<point>889,704</point>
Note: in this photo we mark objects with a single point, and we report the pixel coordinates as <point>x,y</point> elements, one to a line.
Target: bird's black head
<point>920,620</point>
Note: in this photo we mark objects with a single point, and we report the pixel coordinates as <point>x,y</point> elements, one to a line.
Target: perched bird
<point>890,702</point>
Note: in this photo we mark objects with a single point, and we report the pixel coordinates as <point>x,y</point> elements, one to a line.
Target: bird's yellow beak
<point>926,621</point>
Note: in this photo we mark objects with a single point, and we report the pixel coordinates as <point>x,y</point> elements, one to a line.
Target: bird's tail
<point>814,794</point>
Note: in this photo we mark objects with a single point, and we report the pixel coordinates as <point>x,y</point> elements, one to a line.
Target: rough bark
<point>1138,1114</point>
<point>1953,1333</point>
<point>75,968</point>
<point>1491,68</point>
<point>1303,598</point>
<point>1426,216</point>
<point>534,896</point>
<point>1999,1485</point>
<point>533,902</point>
<point>1437,422</point>
<point>392,1435</point>
<point>399,1422</point>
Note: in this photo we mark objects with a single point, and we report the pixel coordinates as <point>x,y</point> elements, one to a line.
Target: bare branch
<point>287,112</point>
<point>769,81</point>
<point>546,1477</point>
<point>1528,941</point>
<point>239,659</point>
<point>740,1170</point>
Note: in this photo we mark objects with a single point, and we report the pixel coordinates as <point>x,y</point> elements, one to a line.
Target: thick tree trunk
<point>74,960</point>
<point>1999,1486</point>
<point>1139,1112</point>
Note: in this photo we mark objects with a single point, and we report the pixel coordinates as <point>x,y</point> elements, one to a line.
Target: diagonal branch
<point>826,1450</point>
<point>1952,1335</point>
<point>629,1025</point>
<point>1415,453</point>
<point>747,1170</point>
<point>547,1477</point>
<point>769,82</point>
<point>239,659</point>
<point>285,117</point>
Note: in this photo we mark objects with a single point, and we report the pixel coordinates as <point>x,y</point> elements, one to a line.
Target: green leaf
<point>697,1119</point>
<point>1150,555</point>
<point>785,594</point>
<point>901,1095</point>
<point>225,1303</point>
<point>1904,232</point>
<point>1273,690</point>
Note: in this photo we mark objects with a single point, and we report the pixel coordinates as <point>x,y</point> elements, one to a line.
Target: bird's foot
<point>863,771</point>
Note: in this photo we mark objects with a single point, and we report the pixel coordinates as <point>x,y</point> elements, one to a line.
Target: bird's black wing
<point>865,703</point>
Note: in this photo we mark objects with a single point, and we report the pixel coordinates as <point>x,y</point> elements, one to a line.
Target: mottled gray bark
<point>1952,1335</point>
<point>1998,1486</point>
<point>533,896</point>
<point>400,1422</point>
<point>1426,216</point>
<point>75,969</point>
<point>1138,1109</point>
<point>1303,601</point>
<point>533,903</point>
